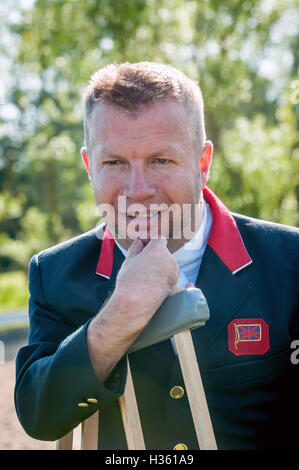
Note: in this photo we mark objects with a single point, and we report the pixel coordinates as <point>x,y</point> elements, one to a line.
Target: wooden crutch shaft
<point>195,391</point>
<point>65,442</point>
<point>130,415</point>
<point>89,432</point>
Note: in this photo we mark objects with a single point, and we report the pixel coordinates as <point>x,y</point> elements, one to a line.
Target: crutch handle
<point>188,309</point>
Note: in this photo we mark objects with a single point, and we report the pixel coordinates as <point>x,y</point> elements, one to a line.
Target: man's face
<point>147,163</point>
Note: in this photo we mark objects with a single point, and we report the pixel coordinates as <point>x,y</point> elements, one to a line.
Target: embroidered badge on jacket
<point>248,336</point>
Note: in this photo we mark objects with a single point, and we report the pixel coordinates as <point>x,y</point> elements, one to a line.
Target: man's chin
<point>126,242</point>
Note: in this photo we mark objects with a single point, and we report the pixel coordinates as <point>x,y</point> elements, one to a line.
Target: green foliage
<point>45,196</point>
<point>13,291</point>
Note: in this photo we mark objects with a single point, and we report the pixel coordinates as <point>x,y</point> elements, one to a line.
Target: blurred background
<point>243,53</point>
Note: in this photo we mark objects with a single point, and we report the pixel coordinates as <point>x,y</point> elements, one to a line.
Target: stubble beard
<point>178,224</point>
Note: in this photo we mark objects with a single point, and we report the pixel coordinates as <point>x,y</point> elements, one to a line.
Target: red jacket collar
<point>225,239</point>
<point>105,263</point>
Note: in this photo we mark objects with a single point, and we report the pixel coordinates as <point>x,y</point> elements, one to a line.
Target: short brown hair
<point>132,86</point>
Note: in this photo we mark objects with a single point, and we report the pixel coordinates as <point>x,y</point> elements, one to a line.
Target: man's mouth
<point>145,215</point>
<point>143,220</point>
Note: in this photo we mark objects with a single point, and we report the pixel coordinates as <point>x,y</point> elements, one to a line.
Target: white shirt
<point>190,255</point>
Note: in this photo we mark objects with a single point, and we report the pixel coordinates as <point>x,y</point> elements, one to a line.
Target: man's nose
<point>138,186</point>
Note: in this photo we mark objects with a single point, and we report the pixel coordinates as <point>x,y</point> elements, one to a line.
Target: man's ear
<point>86,160</point>
<point>205,162</point>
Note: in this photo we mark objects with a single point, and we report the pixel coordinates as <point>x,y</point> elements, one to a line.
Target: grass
<point>13,291</point>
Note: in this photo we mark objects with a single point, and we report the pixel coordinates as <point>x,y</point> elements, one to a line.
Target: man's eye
<point>111,163</point>
<point>161,161</point>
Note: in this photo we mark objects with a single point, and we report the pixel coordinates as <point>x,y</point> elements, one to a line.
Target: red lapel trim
<point>225,239</point>
<point>105,263</point>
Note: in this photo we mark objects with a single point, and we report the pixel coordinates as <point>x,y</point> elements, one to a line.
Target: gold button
<point>180,447</point>
<point>177,392</point>
<point>92,400</point>
<point>83,405</point>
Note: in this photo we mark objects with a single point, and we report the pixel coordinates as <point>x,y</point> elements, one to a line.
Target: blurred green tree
<point>58,44</point>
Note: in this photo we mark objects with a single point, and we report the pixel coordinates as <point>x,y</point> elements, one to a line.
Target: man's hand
<point>148,275</point>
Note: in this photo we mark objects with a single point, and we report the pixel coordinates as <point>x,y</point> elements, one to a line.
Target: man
<point>148,159</point>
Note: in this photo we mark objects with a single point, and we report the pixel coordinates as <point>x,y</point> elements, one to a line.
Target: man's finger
<point>157,242</point>
<point>135,248</point>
